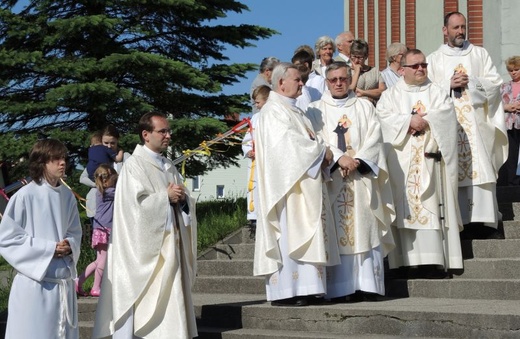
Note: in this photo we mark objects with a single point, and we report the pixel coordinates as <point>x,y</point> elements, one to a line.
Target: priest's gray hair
<point>279,73</point>
<point>268,64</point>
<point>337,65</point>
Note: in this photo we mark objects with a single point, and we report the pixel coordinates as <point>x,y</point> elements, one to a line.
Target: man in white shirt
<point>343,43</point>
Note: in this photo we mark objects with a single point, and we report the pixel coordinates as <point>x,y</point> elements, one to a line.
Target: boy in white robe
<point>40,236</point>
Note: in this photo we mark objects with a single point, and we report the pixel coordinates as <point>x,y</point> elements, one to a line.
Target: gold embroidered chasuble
<point>413,177</point>
<point>482,137</point>
<point>415,180</point>
<point>361,204</point>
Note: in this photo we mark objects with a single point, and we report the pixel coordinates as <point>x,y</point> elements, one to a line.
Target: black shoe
<point>252,229</point>
<point>367,296</point>
<point>294,301</point>
<point>315,300</point>
<point>339,300</point>
<point>357,297</point>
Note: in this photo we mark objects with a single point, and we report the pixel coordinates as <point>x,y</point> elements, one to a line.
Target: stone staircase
<point>483,301</point>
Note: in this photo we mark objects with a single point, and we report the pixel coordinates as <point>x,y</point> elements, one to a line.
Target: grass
<point>216,219</point>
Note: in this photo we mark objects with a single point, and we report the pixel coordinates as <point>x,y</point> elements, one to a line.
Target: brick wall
<point>475,22</point>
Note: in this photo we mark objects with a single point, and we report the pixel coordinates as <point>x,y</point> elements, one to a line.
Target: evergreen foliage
<point>71,67</point>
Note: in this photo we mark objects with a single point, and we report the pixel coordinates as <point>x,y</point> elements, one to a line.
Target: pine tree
<point>73,66</point>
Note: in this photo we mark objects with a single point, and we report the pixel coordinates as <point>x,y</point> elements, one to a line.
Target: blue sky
<point>299,22</point>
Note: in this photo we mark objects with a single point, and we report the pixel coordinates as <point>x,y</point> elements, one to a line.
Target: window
<point>195,183</point>
<point>220,191</point>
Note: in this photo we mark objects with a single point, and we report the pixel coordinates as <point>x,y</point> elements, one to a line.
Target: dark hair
<point>302,57</point>
<point>42,152</point>
<point>449,15</point>
<point>359,47</point>
<point>111,131</point>
<point>413,51</point>
<point>145,123</point>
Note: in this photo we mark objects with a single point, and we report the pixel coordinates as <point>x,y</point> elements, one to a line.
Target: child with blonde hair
<point>105,178</point>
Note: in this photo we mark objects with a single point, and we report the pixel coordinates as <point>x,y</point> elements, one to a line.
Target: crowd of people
<point>144,235</point>
<point>348,166</point>
<point>393,163</point>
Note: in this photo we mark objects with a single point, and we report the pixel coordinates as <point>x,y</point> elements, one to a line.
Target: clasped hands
<point>418,124</point>
<point>175,193</point>
<point>347,165</point>
<point>62,249</point>
<point>459,80</point>
<point>512,107</point>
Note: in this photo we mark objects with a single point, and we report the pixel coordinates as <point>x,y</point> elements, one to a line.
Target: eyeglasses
<point>358,57</point>
<point>335,80</point>
<point>164,131</point>
<point>416,66</point>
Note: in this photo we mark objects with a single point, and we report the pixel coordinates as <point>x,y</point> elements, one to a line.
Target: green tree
<point>73,66</point>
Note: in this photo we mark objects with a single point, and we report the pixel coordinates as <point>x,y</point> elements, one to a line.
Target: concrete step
<point>512,229</point>
<point>239,284</point>
<point>235,267</point>
<point>491,248</point>
<point>253,333</point>
<point>85,329</point>
<point>235,251</point>
<point>460,288</point>
<point>226,247</point>
<point>404,318</point>
<point>87,308</point>
<point>491,268</point>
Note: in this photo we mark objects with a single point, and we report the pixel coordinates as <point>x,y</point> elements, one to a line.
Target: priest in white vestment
<point>359,188</point>
<point>150,270</point>
<point>294,237</point>
<point>467,73</point>
<point>417,117</point>
<point>40,237</point>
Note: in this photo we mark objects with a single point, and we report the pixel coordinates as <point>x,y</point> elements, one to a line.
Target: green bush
<point>218,218</point>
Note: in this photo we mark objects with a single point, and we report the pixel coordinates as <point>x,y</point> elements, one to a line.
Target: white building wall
<point>502,21</point>
<point>234,179</point>
<point>429,22</point>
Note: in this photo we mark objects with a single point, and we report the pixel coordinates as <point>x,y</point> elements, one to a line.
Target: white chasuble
<point>150,265</point>
<point>42,301</point>
<point>482,137</point>
<point>294,227</point>
<point>361,203</point>
<point>415,178</point>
